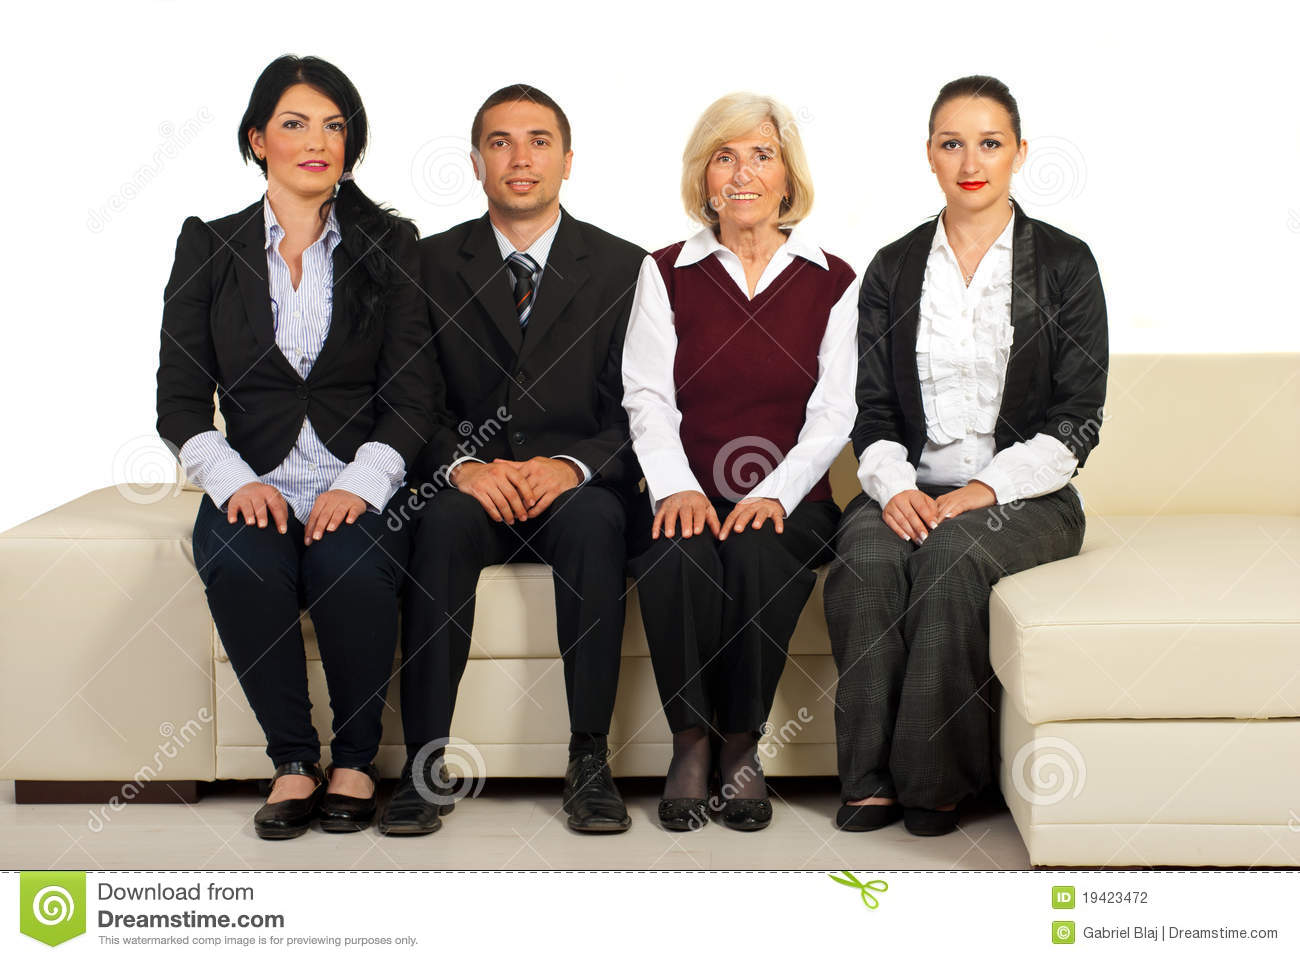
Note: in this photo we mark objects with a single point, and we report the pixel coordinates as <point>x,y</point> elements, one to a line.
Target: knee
<point>867,550</point>
<point>668,557</point>
<point>749,547</point>
<point>246,558</point>
<point>589,515</point>
<point>949,552</point>
<point>348,560</point>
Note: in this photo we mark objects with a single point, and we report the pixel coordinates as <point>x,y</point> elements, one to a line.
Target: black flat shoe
<point>340,813</point>
<point>929,823</point>
<point>286,819</point>
<point>409,812</point>
<point>862,817</point>
<point>683,813</point>
<point>590,798</point>
<point>747,814</point>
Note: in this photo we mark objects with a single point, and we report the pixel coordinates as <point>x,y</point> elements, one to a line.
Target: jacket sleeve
<point>410,392</point>
<point>880,415</point>
<point>187,365</point>
<point>1080,359</point>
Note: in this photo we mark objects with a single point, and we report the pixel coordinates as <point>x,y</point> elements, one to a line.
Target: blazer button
<point>521,378</point>
<point>302,393</point>
<point>518,438</point>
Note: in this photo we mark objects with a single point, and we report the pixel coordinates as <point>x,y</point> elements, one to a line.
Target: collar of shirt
<point>540,248</point>
<point>705,242</point>
<point>940,242</point>
<point>274,232</point>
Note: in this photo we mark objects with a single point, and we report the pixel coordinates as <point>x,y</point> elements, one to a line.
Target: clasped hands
<point>692,510</point>
<point>912,514</point>
<point>516,490</point>
<point>260,502</point>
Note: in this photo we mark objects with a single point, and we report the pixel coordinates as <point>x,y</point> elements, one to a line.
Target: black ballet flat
<point>747,815</point>
<point>684,813</point>
<point>929,823</point>
<point>286,819</point>
<point>858,818</point>
<point>340,813</point>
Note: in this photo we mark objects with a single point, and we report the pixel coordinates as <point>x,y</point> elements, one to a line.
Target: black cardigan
<point>217,334</point>
<point>1056,374</point>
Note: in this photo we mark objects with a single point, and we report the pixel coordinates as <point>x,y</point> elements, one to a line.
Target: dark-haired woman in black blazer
<point>982,355</point>
<point>300,313</point>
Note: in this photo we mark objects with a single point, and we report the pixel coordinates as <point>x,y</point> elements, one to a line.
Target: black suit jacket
<point>554,389</point>
<point>217,334</point>
<point>1056,374</point>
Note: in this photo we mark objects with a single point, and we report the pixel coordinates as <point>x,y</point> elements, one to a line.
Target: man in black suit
<point>529,308</point>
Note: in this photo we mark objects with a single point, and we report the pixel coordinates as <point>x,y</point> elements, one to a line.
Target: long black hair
<point>370,231</point>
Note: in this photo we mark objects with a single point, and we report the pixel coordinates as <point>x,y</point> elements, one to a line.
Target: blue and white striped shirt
<point>302,322</point>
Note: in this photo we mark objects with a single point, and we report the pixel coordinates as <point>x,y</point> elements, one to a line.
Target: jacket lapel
<point>488,280</point>
<point>345,273</point>
<point>563,275</point>
<point>907,307</point>
<point>248,247</point>
<point>1026,323</point>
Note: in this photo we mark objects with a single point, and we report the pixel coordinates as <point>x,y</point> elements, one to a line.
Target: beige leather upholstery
<point>1163,661</point>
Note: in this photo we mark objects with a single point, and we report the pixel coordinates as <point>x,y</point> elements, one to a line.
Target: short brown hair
<point>520,93</point>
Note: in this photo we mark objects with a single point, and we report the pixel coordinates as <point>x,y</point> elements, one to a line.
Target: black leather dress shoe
<point>683,813</point>
<point>862,817</point>
<point>409,812</point>
<point>340,813</point>
<point>285,819</point>
<point>929,823</point>
<point>739,814</point>
<point>590,798</point>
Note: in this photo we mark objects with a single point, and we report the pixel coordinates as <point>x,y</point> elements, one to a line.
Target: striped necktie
<point>524,270</point>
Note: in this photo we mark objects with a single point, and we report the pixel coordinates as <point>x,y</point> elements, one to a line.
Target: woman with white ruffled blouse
<point>982,355</point>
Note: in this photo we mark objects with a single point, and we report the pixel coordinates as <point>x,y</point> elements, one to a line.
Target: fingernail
<point>284,529</point>
<point>923,538</point>
<point>933,524</point>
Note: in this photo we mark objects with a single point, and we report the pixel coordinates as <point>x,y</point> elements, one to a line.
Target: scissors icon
<point>868,898</point>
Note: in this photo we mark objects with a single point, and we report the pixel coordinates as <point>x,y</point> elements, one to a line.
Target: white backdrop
<point>1168,139</point>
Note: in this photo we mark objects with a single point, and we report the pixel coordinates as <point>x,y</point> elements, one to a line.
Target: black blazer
<point>1056,374</point>
<point>217,334</point>
<point>560,382</point>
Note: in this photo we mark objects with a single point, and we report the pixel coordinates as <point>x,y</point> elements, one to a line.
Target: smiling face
<point>303,143</point>
<point>746,180</point>
<point>521,160</point>
<point>973,153</point>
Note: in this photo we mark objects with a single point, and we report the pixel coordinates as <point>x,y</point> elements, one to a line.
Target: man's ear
<point>476,161</point>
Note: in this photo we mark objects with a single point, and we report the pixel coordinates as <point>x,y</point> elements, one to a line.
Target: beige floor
<point>513,824</point>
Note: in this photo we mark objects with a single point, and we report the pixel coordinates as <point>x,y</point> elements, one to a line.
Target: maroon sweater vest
<point>744,369</point>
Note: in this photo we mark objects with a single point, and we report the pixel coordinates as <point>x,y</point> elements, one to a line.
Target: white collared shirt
<point>650,392</point>
<point>963,345</point>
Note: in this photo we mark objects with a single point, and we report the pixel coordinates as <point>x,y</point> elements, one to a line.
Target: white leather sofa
<point>1151,704</point>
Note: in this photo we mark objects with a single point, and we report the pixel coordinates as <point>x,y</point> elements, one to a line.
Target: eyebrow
<point>304,116</point>
<point>986,133</point>
<point>506,133</point>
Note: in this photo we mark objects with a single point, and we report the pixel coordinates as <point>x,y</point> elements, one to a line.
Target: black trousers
<point>719,614</point>
<point>909,629</point>
<point>581,536</point>
<point>258,580</point>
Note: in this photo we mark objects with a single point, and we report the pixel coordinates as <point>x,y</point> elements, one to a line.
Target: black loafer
<point>684,813</point>
<point>929,823</point>
<point>286,819</point>
<point>340,813</point>
<point>863,817</point>
<point>409,813</point>
<point>590,798</point>
<point>741,814</point>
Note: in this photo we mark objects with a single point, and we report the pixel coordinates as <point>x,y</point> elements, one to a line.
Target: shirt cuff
<point>586,474</point>
<point>211,462</point>
<point>666,476</point>
<point>884,471</point>
<point>374,474</point>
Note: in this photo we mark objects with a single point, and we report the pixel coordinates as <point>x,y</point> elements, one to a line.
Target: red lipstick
<point>971,184</point>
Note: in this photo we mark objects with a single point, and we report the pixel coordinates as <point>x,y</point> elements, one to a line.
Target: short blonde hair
<point>730,117</point>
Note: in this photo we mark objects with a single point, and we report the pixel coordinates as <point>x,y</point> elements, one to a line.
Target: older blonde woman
<point>738,374</point>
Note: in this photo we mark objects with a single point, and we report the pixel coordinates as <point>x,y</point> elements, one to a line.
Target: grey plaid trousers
<point>909,632</point>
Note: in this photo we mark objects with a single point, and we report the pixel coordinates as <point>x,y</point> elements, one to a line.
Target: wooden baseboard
<point>104,791</point>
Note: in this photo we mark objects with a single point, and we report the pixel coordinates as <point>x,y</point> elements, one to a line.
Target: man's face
<point>520,159</point>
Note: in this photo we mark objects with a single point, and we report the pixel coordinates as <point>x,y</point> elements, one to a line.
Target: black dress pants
<point>719,614</point>
<point>909,629</point>
<point>258,580</point>
<point>581,537</point>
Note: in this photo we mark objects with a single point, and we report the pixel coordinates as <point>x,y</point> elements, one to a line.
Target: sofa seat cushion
<point>1157,617</point>
<point>127,511</point>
